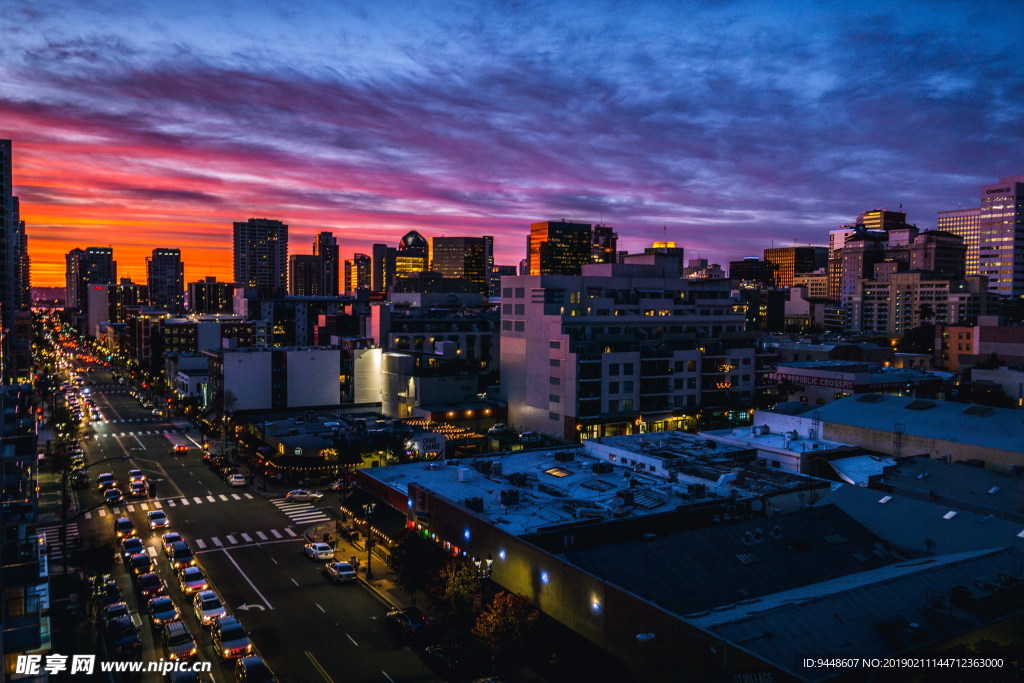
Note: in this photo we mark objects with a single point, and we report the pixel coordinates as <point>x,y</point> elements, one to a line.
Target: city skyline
<point>722,124</point>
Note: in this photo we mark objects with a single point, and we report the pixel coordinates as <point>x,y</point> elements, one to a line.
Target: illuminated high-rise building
<point>261,255</point>
<point>303,275</point>
<point>559,248</point>
<point>411,256</point>
<point>603,244</point>
<point>165,279</point>
<point>994,235</point>
<point>325,248</point>
<point>85,267</point>
<point>461,257</point>
<point>788,261</point>
<point>357,273</point>
<point>14,283</point>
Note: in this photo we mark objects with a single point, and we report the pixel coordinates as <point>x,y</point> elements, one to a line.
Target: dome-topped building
<point>413,241</point>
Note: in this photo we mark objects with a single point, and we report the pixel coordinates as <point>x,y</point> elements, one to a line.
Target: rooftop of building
<point>706,568</point>
<point>871,372</point>
<point>917,525</point>
<point>874,613</point>
<point>1000,428</point>
<point>974,488</point>
<point>528,491</point>
<point>759,436</point>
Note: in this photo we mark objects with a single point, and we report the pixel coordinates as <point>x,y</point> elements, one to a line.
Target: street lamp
<point>484,567</point>
<point>368,509</point>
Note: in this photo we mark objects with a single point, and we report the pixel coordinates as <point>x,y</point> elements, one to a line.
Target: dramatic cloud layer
<point>720,125</point>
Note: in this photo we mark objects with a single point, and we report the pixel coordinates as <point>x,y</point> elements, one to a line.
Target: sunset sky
<point>158,124</point>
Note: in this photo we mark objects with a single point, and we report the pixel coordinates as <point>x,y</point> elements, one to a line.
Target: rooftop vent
<point>870,398</point>
<point>920,405</point>
<point>950,515</point>
<point>978,411</point>
<point>748,558</point>
<point>884,499</point>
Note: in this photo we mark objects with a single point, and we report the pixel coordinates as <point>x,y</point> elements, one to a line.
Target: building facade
<point>165,278</point>
<point>303,275</point>
<point>261,255</point>
<point>357,273</point>
<point>559,248</point>
<point>210,296</point>
<point>325,248</point>
<point>787,262</point>
<point>86,267</point>
<point>461,257</point>
<point>618,350</point>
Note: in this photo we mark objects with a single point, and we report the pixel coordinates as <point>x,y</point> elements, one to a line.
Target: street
<point>248,544</point>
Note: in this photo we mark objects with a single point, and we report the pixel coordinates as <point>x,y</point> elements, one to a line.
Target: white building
<point>272,378</point>
<point>619,349</point>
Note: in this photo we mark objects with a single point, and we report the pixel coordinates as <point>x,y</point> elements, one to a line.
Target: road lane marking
<point>248,580</point>
<point>231,539</point>
<point>201,543</point>
<point>352,639</point>
<point>236,496</point>
<point>320,669</point>
<point>184,501</point>
<point>386,676</point>
<point>288,531</point>
<point>140,443</point>
<point>131,508</point>
<point>275,533</point>
<point>151,550</point>
<point>262,536</point>
<point>211,499</point>
<point>103,513</point>
<point>157,504</point>
<point>295,582</point>
<point>216,541</point>
<point>88,515</point>
<point>273,560</point>
<point>197,500</point>
<point>320,608</point>
<point>144,506</point>
<point>223,497</point>
<point>171,503</point>
<point>248,496</point>
<point>247,538</point>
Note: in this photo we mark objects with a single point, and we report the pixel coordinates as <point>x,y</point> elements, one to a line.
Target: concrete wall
<point>313,377</point>
<point>247,376</point>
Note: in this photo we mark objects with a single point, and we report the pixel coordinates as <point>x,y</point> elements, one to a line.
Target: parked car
<point>339,572</point>
<point>162,610</point>
<point>318,551</point>
<point>208,607</point>
<point>79,479</point>
<point>181,555</point>
<point>150,585</point>
<point>192,580</point>
<point>131,546</point>
<point>230,639</point>
<point>115,610</point>
<point>253,669</point>
<point>302,495</point>
<point>140,564</point>
<point>178,642</point>
<point>410,623</point>
<point>169,539</point>
<point>123,528</point>
<point>157,519</point>
<point>123,637</point>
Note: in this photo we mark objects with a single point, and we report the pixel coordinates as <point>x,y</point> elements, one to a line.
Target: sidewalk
<point>383,582</point>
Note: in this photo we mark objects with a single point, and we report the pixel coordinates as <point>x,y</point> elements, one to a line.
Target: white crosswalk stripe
<point>248,496</point>
<point>231,539</point>
<point>131,508</point>
<point>171,503</point>
<point>52,534</point>
<point>236,496</point>
<point>209,498</point>
<point>216,541</point>
<point>222,497</point>
<point>157,504</point>
<point>144,506</point>
<point>262,536</point>
<point>247,538</point>
<point>200,543</point>
<point>300,513</point>
<point>103,512</point>
<point>291,533</point>
<point>184,501</point>
<point>197,500</point>
<point>275,533</point>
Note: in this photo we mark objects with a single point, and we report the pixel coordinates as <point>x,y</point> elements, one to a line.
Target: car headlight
<point>227,652</point>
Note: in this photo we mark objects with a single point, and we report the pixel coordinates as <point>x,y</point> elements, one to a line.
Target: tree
<point>506,626</point>
<point>453,593</point>
<point>416,562</point>
<point>920,339</point>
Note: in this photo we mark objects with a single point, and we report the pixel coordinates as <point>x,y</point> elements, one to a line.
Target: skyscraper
<point>14,284</point>
<point>357,273</point>
<point>559,248</point>
<point>788,261</point>
<point>85,267</point>
<point>210,296</point>
<point>994,235</point>
<point>165,278</point>
<point>304,275</point>
<point>603,244</point>
<point>261,255</point>
<point>411,256</point>
<point>325,248</point>
<point>463,257</point>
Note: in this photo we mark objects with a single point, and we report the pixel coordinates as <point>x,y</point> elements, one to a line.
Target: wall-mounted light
<point>544,578</point>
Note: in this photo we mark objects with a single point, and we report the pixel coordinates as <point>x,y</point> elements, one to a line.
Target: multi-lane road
<point>248,544</point>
